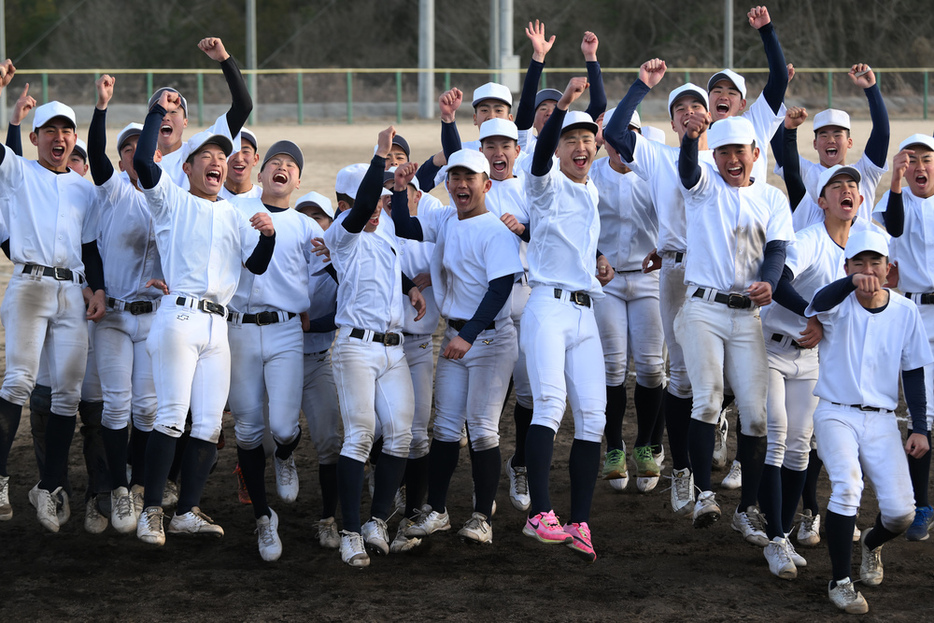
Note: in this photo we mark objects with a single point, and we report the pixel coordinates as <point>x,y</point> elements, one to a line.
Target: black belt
<point>457,325</point>
<point>678,256</point>
<point>56,272</point>
<point>778,337</point>
<point>733,301</point>
<point>136,307</point>
<point>204,305</point>
<point>861,407</point>
<point>388,339</point>
<point>578,298</point>
<point>261,319</point>
<point>923,299</point>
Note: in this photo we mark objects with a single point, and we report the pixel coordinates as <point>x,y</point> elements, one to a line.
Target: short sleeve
<point>916,352</point>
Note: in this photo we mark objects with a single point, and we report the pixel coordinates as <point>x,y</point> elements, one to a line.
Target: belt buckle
<point>209,307</point>
<point>262,318</point>
<point>138,307</point>
<point>865,408</point>
<point>578,298</point>
<point>391,339</point>
<point>736,301</point>
<point>61,274</point>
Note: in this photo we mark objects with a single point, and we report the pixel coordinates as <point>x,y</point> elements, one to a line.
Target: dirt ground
<point>651,565</point>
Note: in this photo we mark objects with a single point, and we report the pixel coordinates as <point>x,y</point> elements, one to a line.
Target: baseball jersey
<point>628,225</point>
<point>728,229</point>
<point>284,285</point>
<point>322,290</point>
<point>172,163</point>
<point>415,259</point>
<point>468,255</point>
<point>369,295</point>
<point>256,192</point>
<point>48,215</point>
<point>765,122</point>
<point>127,241</point>
<point>509,197</point>
<point>203,244</point>
<point>914,249</point>
<point>863,352</point>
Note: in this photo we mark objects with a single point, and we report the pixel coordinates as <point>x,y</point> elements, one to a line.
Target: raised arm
<point>146,168</point>
<point>688,165</point>
<point>407,226</point>
<point>241,104</point>
<point>894,215</point>
<point>794,183</point>
<point>449,102</point>
<point>548,139</point>
<point>877,146</point>
<point>597,104</point>
<point>525,111</point>
<point>371,186</point>
<point>24,104</point>
<point>617,132</point>
<point>774,91</point>
<point>101,167</point>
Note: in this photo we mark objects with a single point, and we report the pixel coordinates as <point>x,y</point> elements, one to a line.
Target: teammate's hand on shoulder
<point>456,348</point>
<point>652,71</point>
<point>422,280</point>
<point>6,73</point>
<point>813,333</point>
<point>23,105</point>
<point>867,284</point>
<point>418,302</point>
<point>540,46</point>
<point>449,102</point>
<point>262,222</point>
<point>214,48</point>
<point>917,445</point>
<point>105,90</point>
<point>321,249</point>
<point>159,284</point>
<point>384,141</point>
<point>795,116</point>
<point>760,293</point>
<point>605,272</point>
<point>695,126</point>
<point>576,87</point>
<point>652,261</point>
<point>589,46</point>
<point>758,17</point>
<point>96,306</point>
<point>512,223</point>
<point>862,76</point>
<point>404,175</point>
<point>899,167</point>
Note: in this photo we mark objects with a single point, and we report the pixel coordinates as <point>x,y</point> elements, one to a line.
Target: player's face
<point>616,161</point>
<point>725,100</point>
<point>467,189</point>
<point>240,164</point>
<point>372,224</point>
<point>126,158</point>
<point>396,157</point>
<point>542,113</point>
<point>683,109</point>
<point>832,143</point>
<point>735,163</point>
<point>78,164</point>
<point>320,217</point>
<point>490,109</point>
<point>920,173</point>
<point>501,152</point>
<point>170,132</point>
<point>280,176</point>
<point>576,151</point>
<point>207,171</point>
<point>868,263</point>
<point>55,142</point>
<point>841,198</point>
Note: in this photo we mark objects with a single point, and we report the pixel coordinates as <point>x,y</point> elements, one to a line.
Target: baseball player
<point>202,243</point>
<point>373,380</point>
<point>870,334</point>
<point>239,184</point>
<point>473,268</point>
<point>904,211</point>
<point>45,301</point>
<point>559,331</point>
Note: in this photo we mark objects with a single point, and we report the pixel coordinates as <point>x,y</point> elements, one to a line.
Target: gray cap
<point>288,148</point>
<point>155,98</point>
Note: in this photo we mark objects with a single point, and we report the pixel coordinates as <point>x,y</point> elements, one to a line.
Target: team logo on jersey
<point>182,317</point>
<point>488,342</point>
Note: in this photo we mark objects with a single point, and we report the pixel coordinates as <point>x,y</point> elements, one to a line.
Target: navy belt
<point>387,339</point>
<point>260,319</point>
<point>135,307</point>
<point>578,298</point>
<point>860,407</point>
<point>733,301</point>
<point>209,307</point>
<point>56,272</point>
<point>923,299</point>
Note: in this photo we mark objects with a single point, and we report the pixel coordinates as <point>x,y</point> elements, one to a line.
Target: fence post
<point>399,97</point>
<point>349,98</point>
<point>687,76</point>
<point>829,89</point>
<point>301,99</point>
<point>447,81</point>
<point>924,113</point>
<point>148,83</point>
<point>200,98</point>
<point>45,88</point>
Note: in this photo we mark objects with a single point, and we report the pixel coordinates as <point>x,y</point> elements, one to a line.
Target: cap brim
<point>580,125</point>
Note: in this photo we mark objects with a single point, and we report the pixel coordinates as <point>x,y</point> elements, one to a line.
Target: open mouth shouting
<point>735,171</point>
<point>581,162</point>
<point>280,178</point>
<point>499,165</point>
<point>213,176</point>
<point>165,131</point>
<point>58,152</point>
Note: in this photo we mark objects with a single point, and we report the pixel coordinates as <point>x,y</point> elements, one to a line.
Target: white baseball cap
<point>492,91</point>
<point>128,132</point>
<point>917,139</point>
<point>385,192</point>
<point>578,119</point>
<point>206,138</point>
<point>833,117</point>
<point>470,159</point>
<point>349,178</point>
<point>47,112</point>
<point>866,240</point>
<point>81,148</point>
<point>317,199</point>
<point>687,89</point>
<point>250,138</point>
<point>731,131</point>
<point>730,76</point>
<point>634,122</point>
<point>653,134</point>
<point>499,127</point>
<point>837,169</point>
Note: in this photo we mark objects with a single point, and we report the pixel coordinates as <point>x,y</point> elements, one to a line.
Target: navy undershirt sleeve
<point>525,112</point>
<point>773,262</point>
<point>407,226</point>
<point>913,386</point>
<point>894,215</point>
<point>101,167</point>
<point>774,91</point>
<point>407,284</point>
<point>241,104</point>
<point>688,167</point>
<point>146,168</point>
<point>258,261</point>
<point>496,296</point>
<point>617,132</point>
<point>329,269</point>
<point>597,104</point>
<point>14,140</point>
<point>832,295</point>
<point>324,324</point>
<point>785,294</point>
<point>450,139</point>
<point>367,196</point>
<point>878,144</point>
<point>426,175</point>
<point>547,143</point>
<point>794,183</point>
<point>93,265</point>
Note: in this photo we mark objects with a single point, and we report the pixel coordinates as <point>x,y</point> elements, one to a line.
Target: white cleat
<point>286,479</point>
<point>267,537</point>
<point>734,478</point>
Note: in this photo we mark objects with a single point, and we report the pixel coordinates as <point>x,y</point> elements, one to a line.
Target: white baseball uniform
<point>319,393</point>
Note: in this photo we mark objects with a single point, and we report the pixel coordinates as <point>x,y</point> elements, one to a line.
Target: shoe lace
<point>153,520</point>
<point>124,507</point>
<point>265,533</point>
<point>51,508</point>
<point>522,482</point>
<point>756,520</point>
<point>734,472</point>
<point>615,456</point>
<point>875,557</point>
<point>286,470</point>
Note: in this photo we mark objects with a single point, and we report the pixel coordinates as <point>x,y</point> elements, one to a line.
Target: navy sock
<point>416,485</point>
<point>180,445</point>
<point>839,529</point>
<point>615,411</point>
<point>253,468</point>
<point>443,456</point>
<point>770,500</point>
<point>10,415</point>
<point>284,451</point>
<point>792,486</point>
<point>583,467</point>
<point>879,534</point>
<point>486,469</point>
<point>809,493</point>
<point>750,451</point>
<point>540,444</point>
<point>648,400</point>
<point>701,444</point>
<point>196,466</point>
<point>138,441</point>
<point>376,450</point>
<point>658,432</point>
<point>95,455</point>
<point>327,479</point>
<point>523,418</point>
<point>678,422</point>
<point>389,474</point>
<point>115,444</point>
<point>59,432</point>
<point>160,453</point>
<point>920,472</point>
<point>350,488</point>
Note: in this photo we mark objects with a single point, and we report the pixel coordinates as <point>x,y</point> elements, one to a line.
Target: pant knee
<point>899,523</point>
<point>484,442</point>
